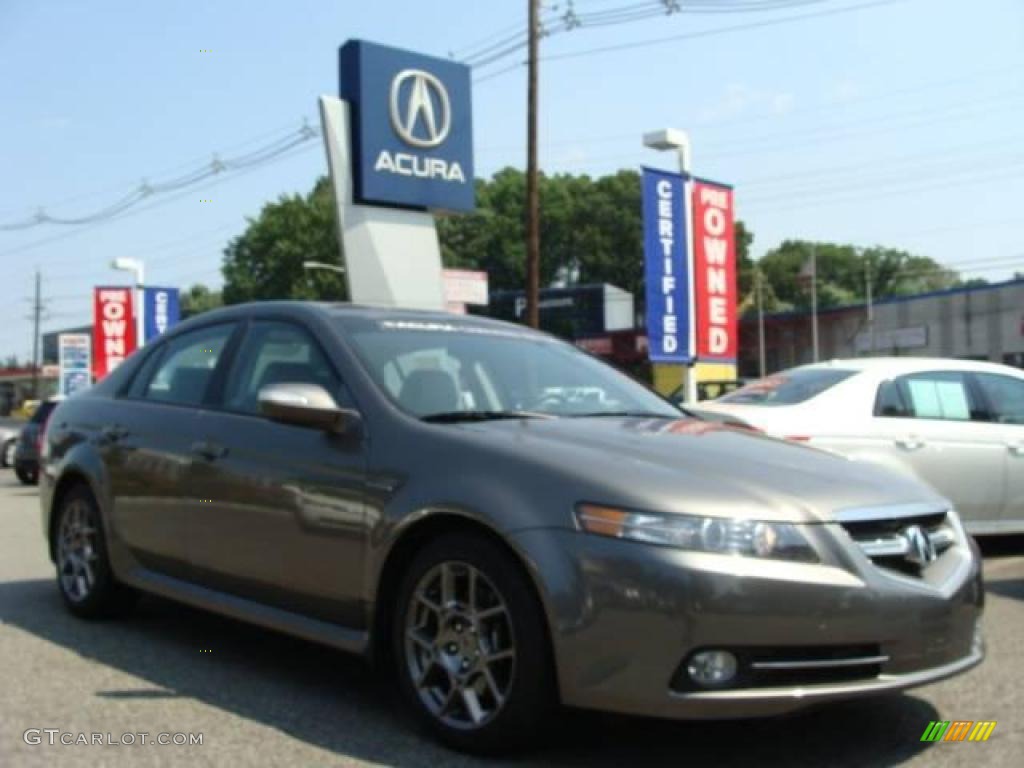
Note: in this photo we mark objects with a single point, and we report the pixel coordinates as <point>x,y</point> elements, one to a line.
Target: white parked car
<point>957,424</point>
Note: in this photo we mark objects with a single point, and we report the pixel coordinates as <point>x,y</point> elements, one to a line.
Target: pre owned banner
<point>113,331</point>
<point>163,310</point>
<point>714,261</point>
<point>666,267</point>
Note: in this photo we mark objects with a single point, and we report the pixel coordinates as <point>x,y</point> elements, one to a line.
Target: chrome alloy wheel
<point>76,551</point>
<point>459,645</point>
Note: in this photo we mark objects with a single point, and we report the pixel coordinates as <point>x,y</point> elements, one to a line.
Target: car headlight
<point>716,535</point>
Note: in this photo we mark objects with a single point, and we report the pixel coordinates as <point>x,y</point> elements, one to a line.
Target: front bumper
<point>625,616</point>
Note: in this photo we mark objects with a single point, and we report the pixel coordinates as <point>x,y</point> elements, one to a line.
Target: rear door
<point>147,438</point>
<point>936,424</point>
<point>283,518</point>
<point>1004,396</point>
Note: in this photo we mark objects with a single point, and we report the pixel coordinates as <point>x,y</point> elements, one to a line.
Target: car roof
<point>348,310</point>
<point>891,365</point>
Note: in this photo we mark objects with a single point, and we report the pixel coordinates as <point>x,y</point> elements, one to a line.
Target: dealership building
<point>984,322</point>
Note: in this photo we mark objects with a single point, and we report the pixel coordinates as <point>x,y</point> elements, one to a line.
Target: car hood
<point>693,466</point>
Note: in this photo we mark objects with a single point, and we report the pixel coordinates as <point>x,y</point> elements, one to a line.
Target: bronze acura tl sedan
<point>502,520</point>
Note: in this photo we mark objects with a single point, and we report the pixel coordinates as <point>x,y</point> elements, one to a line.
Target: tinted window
<point>789,387</point>
<point>1004,396</point>
<point>944,395</point>
<point>186,366</point>
<point>274,353</point>
<point>441,367</point>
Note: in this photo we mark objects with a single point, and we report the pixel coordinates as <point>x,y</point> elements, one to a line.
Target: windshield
<point>788,387</point>
<point>432,368</point>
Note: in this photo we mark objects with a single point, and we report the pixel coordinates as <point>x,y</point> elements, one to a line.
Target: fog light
<point>712,668</point>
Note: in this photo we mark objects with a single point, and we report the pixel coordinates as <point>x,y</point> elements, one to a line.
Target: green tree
<point>265,261</point>
<point>843,271</point>
<point>199,298</point>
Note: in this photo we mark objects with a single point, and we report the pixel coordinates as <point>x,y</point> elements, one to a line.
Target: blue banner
<point>162,311</point>
<point>666,267</point>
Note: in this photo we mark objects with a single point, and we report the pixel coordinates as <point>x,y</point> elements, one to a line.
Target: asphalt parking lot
<point>260,698</point>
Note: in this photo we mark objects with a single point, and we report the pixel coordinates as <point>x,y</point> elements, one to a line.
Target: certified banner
<point>666,267</point>
<point>714,260</point>
<point>113,330</point>
<point>73,368</point>
<point>162,310</point>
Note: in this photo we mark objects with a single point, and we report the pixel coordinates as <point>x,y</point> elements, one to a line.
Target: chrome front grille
<point>906,539</point>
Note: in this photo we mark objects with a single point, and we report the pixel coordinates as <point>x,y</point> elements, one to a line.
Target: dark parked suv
<point>26,451</point>
<point>501,519</point>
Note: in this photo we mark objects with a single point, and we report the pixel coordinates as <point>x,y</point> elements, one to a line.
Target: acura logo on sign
<point>421,115</point>
<point>922,550</point>
<point>416,118</point>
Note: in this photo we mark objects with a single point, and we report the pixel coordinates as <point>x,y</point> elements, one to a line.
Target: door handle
<point>209,450</point>
<point>910,443</point>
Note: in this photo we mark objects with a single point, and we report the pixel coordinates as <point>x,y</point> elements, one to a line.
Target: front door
<point>283,515</point>
<point>934,423</point>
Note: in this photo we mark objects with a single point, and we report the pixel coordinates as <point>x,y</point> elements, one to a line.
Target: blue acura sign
<point>412,127</point>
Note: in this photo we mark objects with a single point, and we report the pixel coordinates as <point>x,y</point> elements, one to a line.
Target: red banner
<point>714,268</point>
<point>113,330</point>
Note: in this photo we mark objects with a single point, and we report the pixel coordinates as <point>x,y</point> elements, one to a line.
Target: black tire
<point>27,476</point>
<point>530,698</point>
<point>7,453</point>
<point>105,597</point>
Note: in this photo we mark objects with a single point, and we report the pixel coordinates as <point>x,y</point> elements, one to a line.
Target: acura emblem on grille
<point>922,550</point>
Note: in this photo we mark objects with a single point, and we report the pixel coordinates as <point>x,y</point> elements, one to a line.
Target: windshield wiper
<point>452,417</point>
<point>637,414</point>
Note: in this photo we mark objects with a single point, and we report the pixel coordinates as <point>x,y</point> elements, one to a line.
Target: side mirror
<point>306,405</point>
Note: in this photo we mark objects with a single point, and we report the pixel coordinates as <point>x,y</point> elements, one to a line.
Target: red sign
<point>714,269</point>
<point>113,330</point>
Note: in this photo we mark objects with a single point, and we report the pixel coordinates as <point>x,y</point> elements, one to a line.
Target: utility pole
<point>870,307</point>
<point>532,188</point>
<point>759,284</point>
<point>37,311</point>
<point>814,301</point>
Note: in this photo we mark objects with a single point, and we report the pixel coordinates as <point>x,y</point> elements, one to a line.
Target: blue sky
<point>896,123</point>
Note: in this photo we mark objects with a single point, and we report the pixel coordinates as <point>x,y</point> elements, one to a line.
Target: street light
<point>323,265</point>
<point>669,139</point>
<point>137,268</point>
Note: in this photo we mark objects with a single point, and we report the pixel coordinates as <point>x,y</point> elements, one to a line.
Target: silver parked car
<point>955,424</point>
<point>431,490</point>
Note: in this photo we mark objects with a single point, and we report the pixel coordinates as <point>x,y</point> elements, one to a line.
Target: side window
<point>186,366</point>
<point>1005,396</point>
<point>943,395</point>
<point>276,352</point>
<point>145,373</point>
<point>889,401</point>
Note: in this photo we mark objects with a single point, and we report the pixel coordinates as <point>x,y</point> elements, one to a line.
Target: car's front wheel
<point>471,646</point>
<point>84,576</point>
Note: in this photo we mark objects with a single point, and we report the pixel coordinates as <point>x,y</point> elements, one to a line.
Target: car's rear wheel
<point>471,646</point>
<point>27,476</point>
<point>84,576</point>
<point>7,456</point>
